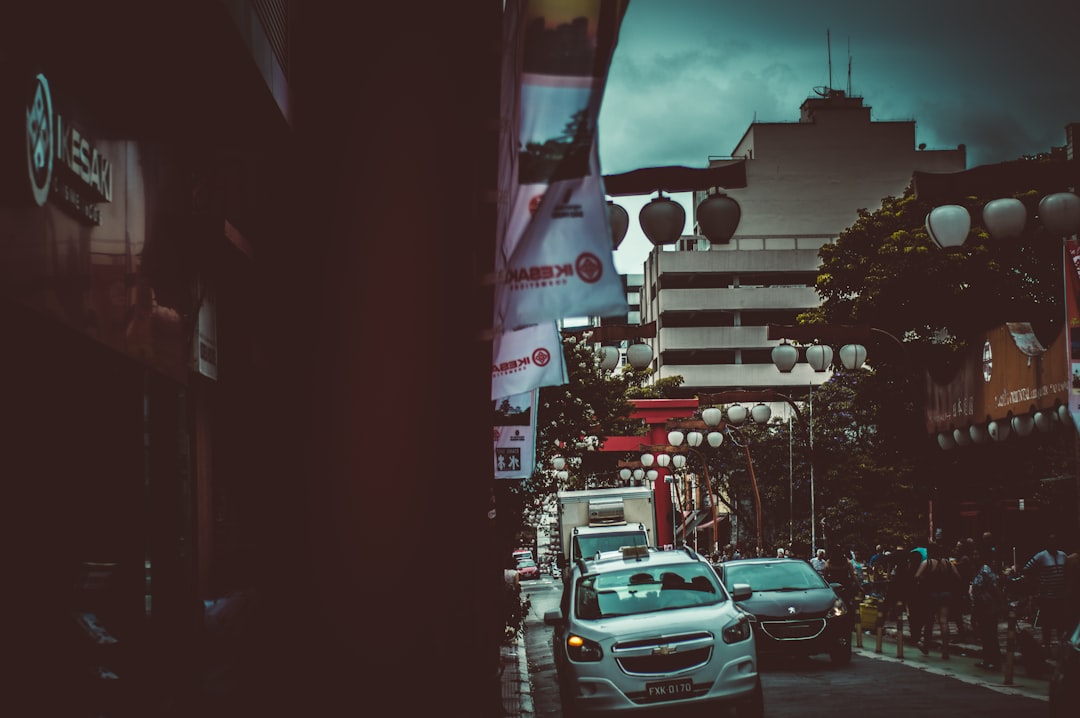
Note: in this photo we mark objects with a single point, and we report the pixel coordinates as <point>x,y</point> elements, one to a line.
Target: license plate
<point>668,690</point>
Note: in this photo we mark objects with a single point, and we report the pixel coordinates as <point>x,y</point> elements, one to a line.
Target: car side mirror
<point>741,591</point>
<point>553,618</point>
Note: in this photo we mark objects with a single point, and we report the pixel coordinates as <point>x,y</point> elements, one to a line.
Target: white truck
<point>595,520</point>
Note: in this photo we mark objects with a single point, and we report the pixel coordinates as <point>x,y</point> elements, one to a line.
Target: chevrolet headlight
<point>582,649</point>
<point>737,630</point>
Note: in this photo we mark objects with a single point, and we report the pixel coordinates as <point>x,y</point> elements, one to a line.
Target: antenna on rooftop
<point>828,49</point>
<point>849,66</point>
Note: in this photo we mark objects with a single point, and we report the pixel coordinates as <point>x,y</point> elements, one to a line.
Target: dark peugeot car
<point>795,611</point>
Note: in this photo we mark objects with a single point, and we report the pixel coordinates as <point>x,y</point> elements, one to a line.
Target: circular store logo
<point>40,144</point>
<point>541,357</point>
<point>589,268</point>
<point>988,362</point>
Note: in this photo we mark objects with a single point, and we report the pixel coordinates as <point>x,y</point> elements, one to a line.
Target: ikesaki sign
<point>62,163</point>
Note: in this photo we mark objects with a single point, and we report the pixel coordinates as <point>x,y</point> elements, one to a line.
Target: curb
<point>524,682</point>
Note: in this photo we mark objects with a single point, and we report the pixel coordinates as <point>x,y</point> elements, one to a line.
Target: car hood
<point>811,603</point>
<point>660,623</point>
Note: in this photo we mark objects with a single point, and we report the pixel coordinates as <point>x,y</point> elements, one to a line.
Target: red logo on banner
<point>589,268</point>
<point>541,356</point>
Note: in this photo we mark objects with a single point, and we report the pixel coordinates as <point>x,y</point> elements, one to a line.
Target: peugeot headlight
<point>582,649</point>
<point>737,630</point>
<point>839,608</point>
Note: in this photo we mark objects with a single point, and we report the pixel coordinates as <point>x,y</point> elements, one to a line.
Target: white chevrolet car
<point>646,631</point>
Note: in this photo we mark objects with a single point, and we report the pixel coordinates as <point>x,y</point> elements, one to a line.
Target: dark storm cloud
<point>689,77</point>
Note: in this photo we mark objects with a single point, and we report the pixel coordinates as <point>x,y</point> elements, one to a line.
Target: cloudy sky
<point>690,76</point>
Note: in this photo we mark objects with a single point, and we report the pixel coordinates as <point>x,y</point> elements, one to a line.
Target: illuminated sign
<point>62,162</point>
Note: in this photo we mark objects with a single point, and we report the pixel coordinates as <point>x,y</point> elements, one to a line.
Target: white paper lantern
<point>999,430</point>
<point>1005,217</point>
<point>945,441</point>
<point>948,225</point>
<point>1060,213</point>
<point>819,356</point>
<point>784,356</point>
<point>639,355</point>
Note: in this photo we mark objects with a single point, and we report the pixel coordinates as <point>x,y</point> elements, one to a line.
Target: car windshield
<point>643,589</point>
<point>785,575</point>
<point>526,564</point>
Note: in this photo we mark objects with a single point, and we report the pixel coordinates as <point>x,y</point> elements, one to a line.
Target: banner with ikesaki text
<point>554,254</point>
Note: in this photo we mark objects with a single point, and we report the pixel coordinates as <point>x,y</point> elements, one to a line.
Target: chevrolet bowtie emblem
<point>664,650</point>
<point>791,610</point>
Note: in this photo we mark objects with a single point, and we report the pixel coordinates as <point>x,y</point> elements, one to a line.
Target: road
<point>877,685</point>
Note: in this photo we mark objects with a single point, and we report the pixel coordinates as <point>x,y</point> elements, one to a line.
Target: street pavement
<point>527,665</point>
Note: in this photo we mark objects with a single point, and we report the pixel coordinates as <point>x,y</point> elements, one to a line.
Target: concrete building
<point>806,182</point>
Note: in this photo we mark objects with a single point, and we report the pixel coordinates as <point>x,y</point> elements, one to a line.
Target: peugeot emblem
<point>791,610</point>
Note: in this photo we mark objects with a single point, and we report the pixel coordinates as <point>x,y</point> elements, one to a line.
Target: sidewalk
<point>963,656</point>
<point>516,684</point>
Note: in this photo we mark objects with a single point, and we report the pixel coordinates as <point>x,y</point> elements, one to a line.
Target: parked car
<point>522,554</point>
<point>556,572</point>
<point>1065,680</point>
<point>646,631</point>
<point>795,611</point>
<point>528,569</point>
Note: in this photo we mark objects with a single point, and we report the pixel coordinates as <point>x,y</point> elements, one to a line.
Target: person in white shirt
<point>818,561</point>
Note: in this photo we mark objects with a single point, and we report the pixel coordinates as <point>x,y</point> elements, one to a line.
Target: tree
<point>886,272</point>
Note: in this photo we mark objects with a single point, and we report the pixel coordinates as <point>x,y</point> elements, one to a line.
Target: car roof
<point>613,561</point>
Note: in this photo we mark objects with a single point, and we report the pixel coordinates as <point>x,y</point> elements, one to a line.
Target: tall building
<point>806,182</point>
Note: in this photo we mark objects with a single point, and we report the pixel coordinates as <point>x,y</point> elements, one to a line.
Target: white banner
<point>527,359</point>
<point>554,255</point>
<point>515,435</point>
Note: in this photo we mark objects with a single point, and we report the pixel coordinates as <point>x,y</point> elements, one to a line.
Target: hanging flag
<point>515,435</point>
<point>527,359</point>
<point>554,256</point>
<point>1072,312</point>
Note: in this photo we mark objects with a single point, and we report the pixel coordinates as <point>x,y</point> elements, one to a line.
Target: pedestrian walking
<point>818,561</point>
<point>987,605</point>
<point>937,582</point>
<point>1048,568</point>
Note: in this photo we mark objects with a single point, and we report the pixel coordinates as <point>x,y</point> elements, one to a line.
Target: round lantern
<point>609,358</point>
<point>620,222</point>
<point>819,356</point>
<point>736,414</point>
<point>1005,217</point>
<point>784,356</point>
<point>961,437</point>
<point>1023,424</point>
<point>1060,213</point>
<point>978,433</point>
<point>945,441</point>
<point>662,220</point>
<point>999,430</point>
<point>718,216</point>
<point>948,225</point>
<point>852,356</point>
<point>761,413</point>
<point>639,355</point>
<point>712,416</point>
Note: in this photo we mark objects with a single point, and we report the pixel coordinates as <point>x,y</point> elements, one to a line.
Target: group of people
<point>938,588</point>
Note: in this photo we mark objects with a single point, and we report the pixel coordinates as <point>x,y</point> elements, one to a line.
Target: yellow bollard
<point>1010,645</point>
<point>880,631</point>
